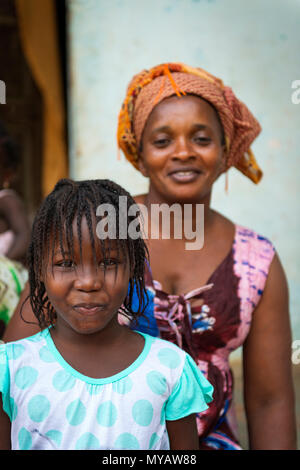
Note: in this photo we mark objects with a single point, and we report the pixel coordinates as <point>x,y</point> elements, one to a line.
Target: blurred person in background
<point>14,231</point>
<point>14,223</point>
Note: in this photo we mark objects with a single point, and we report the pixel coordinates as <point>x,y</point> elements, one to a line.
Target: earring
<point>226,182</point>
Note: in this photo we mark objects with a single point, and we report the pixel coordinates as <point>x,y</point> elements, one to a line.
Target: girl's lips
<point>89,309</point>
<point>184,176</point>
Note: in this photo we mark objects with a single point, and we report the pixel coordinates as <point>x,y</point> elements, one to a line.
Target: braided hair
<point>53,224</point>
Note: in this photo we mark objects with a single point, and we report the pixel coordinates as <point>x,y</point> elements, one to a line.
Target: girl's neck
<point>99,355</point>
<point>66,336</point>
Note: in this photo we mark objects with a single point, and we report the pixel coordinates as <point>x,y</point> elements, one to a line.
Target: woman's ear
<point>224,161</point>
<point>222,167</point>
<point>141,166</point>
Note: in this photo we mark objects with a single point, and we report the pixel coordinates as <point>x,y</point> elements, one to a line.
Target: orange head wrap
<point>150,87</point>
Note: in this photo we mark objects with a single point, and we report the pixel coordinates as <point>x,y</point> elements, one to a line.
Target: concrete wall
<point>253,46</point>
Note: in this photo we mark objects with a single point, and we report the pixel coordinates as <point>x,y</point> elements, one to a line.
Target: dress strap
<point>175,312</point>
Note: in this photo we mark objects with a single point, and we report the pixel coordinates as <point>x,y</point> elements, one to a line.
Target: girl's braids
<point>53,224</point>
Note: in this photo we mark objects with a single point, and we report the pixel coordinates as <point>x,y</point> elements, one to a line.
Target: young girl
<point>87,381</point>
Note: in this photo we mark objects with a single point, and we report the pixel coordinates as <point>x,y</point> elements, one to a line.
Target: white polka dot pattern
<point>52,406</point>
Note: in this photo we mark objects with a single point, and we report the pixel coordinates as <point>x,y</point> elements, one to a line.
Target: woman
<point>182,128</point>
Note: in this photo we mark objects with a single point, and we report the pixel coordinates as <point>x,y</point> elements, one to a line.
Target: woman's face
<point>182,149</point>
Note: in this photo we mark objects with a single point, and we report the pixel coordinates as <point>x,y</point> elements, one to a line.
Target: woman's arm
<point>183,433</point>
<point>268,384</point>
<point>13,211</point>
<point>5,426</point>
<point>17,328</point>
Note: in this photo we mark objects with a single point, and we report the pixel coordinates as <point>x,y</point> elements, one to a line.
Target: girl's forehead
<point>81,230</point>
<point>80,234</point>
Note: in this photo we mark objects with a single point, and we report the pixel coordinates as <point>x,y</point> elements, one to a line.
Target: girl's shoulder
<point>165,353</point>
<point>18,357</point>
<point>173,366</point>
<point>160,343</point>
<point>22,348</point>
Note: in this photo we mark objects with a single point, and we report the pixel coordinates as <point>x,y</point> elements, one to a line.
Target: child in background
<point>14,224</point>
<point>87,381</point>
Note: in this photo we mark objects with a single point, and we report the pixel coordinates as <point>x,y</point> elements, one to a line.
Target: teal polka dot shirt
<point>53,406</point>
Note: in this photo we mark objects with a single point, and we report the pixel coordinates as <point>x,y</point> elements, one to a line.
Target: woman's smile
<point>184,175</point>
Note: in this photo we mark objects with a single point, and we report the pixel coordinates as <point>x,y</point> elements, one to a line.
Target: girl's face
<point>182,150</point>
<point>85,297</point>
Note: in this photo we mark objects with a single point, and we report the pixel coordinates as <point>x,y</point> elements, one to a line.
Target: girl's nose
<point>88,281</point>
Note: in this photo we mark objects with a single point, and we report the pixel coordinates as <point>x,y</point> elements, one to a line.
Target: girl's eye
<point>67,264</point>
<point>109,262</point>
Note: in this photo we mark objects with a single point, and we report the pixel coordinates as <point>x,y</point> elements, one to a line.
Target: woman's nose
<point>182,150</point>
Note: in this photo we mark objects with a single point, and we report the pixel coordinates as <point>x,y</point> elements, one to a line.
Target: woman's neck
<point>184,213</point>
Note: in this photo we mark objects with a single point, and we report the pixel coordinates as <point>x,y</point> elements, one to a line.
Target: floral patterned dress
<point>13,277</point>
<point>209,332</point>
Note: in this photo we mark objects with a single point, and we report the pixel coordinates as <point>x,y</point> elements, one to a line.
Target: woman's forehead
<point>185,107</point>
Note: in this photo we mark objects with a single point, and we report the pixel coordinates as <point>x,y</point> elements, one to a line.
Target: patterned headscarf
<point>150,87</point>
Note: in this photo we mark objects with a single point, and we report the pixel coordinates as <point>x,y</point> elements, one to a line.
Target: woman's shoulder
<point>253,253</point>
<point>242,233</point>
<point>253,238</point>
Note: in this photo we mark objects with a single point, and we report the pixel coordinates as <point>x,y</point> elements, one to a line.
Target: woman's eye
<point>202,140</point>
<point>163,142</point>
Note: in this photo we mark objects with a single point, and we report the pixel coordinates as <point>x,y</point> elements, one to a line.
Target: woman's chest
<point>180,271</point>
<point>210,305</point>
